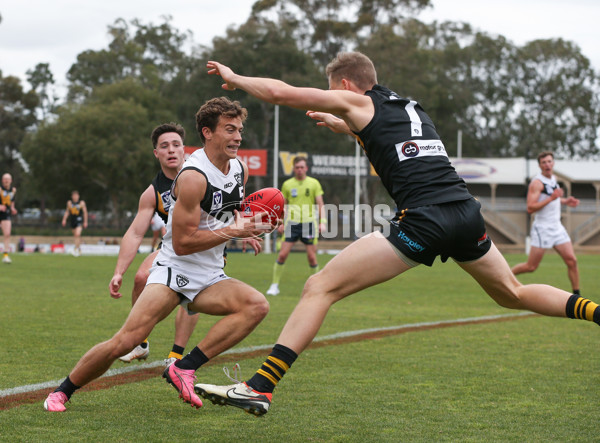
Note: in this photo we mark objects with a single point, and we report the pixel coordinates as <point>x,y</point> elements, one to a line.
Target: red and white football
<point>269,200</point>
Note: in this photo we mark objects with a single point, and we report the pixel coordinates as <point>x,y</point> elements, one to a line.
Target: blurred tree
<point>17,114</point>
<point>41,80</point>
<point>324,28</point>
<point>102,148</point>
<point>151,53</point>
<point>557,101</point>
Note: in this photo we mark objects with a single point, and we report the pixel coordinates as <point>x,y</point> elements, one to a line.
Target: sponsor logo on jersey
<point>420,148</point>
<point>181,280</point>
<point>228,185</point>
<point>410,149</point>
<point>412,245</point>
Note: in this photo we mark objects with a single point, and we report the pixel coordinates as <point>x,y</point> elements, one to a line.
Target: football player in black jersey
<point>7,210</point>
<point>437,216</point>
<point>77,215</point>
<point>167,140</point>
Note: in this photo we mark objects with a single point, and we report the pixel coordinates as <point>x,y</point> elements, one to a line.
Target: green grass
<point>533,379</point>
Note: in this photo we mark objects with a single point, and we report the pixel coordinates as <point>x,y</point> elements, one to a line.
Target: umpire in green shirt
<point>302,193</point>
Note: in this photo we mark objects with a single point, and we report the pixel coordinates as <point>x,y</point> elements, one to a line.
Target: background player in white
<point>167,141</point>
<point>189,267</point>
<point>544,199</point>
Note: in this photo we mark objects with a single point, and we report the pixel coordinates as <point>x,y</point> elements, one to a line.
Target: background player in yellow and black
<point>77,214</point>
<point>7,210</point>
<point>302,193</point>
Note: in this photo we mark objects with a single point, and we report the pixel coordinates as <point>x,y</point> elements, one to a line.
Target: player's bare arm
<point>344,100</point>
<point>133,239</point>
<point>189,190</point>
<point>533,194</point>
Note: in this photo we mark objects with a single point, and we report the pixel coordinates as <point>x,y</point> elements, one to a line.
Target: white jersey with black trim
<point>549,215</point>
<point>224,193</point>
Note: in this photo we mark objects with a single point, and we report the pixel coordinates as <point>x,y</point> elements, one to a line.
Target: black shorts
<point>4,215</point>
<point>76,221</point>
<point>305,232</point>
<point>454,229</point>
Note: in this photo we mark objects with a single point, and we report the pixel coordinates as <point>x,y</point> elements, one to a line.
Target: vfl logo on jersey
<point>181,280</point>
<point>294,192</point>
<point>217,201</point>
<point>412,245</point>
<point>166,200</point>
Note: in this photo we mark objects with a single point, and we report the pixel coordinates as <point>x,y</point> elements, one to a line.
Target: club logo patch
<point>181,280</point>
<point>238,178</point>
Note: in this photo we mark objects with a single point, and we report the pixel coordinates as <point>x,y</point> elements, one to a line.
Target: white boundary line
<point>345,334</point>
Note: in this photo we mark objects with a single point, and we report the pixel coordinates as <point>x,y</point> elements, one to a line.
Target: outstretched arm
<point>350,104</point>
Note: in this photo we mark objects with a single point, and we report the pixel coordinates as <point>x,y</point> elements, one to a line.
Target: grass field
<point>531,379</point>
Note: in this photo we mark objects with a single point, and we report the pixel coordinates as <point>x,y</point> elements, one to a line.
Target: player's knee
<point>123,344</point>
<point>257,306</point>
<point>317,286</point>
<point>140,278</point>
<point>571,262</point>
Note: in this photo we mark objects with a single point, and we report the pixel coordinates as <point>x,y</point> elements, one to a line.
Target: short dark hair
<point>354,66</point>
<point>300,158</point>
<point>543,154</point>
<point>210,112</point>
<point>164,128</point>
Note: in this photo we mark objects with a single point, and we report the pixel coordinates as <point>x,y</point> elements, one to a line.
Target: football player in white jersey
<point>544,199</point>
<point>188,269</point>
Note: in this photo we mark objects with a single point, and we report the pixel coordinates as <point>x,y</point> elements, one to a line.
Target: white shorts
<point>185,283</point>
<point>157,222</point>
<point>548,237</point>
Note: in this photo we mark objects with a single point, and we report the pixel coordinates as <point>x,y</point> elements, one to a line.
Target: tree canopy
<point>507,100</point>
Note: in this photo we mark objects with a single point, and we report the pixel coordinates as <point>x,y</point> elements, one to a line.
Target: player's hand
<point>330,121</point>
<point>115,285</point>
<point>571,201</point>
<point>216,68</point>
<point>280,228</point>
<point>64,223</point>
<point>255,244</point>
<point>249,227</point>
<point>322,227</point>
<point>557,193</point>
<point>2,208</point>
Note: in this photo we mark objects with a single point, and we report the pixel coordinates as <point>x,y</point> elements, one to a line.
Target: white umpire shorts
<point>548,237</point>
<point>187,284</point>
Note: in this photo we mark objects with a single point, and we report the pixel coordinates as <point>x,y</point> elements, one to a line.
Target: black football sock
<point>67,387</point>
<point>273,369</point>
<point>193,360</point>
<point>582,308</point>
<point>177,352</point>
